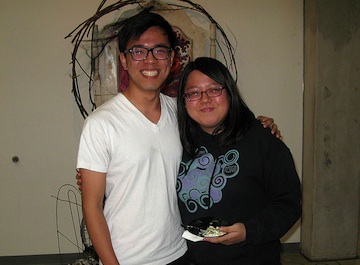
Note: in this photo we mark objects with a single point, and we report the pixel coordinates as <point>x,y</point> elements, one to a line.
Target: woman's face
<point>208,112</point>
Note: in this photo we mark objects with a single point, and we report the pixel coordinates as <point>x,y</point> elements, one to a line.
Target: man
<point>130,152</point>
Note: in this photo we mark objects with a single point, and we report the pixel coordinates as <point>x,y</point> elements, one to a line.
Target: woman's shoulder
<point>257,128</point>
<point>258,133</point>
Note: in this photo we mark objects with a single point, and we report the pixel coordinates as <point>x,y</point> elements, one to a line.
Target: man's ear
<point>172,57</point>
<point>123,60</point>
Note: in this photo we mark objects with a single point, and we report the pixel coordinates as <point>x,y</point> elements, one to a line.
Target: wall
<point>331,180</point>
<point>40,122</point>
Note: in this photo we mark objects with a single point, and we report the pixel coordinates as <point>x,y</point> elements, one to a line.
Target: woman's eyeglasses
<point>211,93</point>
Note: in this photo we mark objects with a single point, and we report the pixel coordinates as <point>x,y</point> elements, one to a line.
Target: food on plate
<point>213,231</point>
<point>207,226</point>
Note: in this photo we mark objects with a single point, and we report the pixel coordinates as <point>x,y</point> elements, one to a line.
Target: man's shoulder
<point>108,105</point>
<point>168,99</point>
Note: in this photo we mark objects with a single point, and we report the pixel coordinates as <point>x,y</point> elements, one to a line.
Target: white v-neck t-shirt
<point>141,161</point>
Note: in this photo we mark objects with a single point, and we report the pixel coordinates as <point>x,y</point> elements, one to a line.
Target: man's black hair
<point>135,26</point>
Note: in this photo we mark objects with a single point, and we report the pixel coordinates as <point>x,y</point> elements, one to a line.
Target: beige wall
<point>40,122</point>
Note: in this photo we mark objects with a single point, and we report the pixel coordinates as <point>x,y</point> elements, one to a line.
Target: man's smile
<point>150,72</point>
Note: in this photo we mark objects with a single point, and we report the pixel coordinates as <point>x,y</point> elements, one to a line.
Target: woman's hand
<point>269,122</point>
<point>236,233</point>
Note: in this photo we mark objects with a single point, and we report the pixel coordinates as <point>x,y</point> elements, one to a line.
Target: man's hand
<point>269,122</point>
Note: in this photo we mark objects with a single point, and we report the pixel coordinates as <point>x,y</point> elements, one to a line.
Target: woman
<point>232,169</point>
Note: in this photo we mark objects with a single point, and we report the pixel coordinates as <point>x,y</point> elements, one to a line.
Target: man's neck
<point>147,102</point>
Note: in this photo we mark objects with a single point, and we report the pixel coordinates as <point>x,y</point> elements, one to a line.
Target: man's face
<point>148,74</point>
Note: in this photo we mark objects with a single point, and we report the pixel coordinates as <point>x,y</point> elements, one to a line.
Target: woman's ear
<point>123,60</point>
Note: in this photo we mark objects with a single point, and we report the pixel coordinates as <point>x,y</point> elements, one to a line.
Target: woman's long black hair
<point>238,119</point>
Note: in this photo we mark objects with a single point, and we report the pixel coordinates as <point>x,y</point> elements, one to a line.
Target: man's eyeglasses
<point>211,93</point>
<point>141,53</point>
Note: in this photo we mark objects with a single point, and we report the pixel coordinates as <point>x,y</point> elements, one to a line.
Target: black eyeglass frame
<point>187,95</point>
<point>147,54</point>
